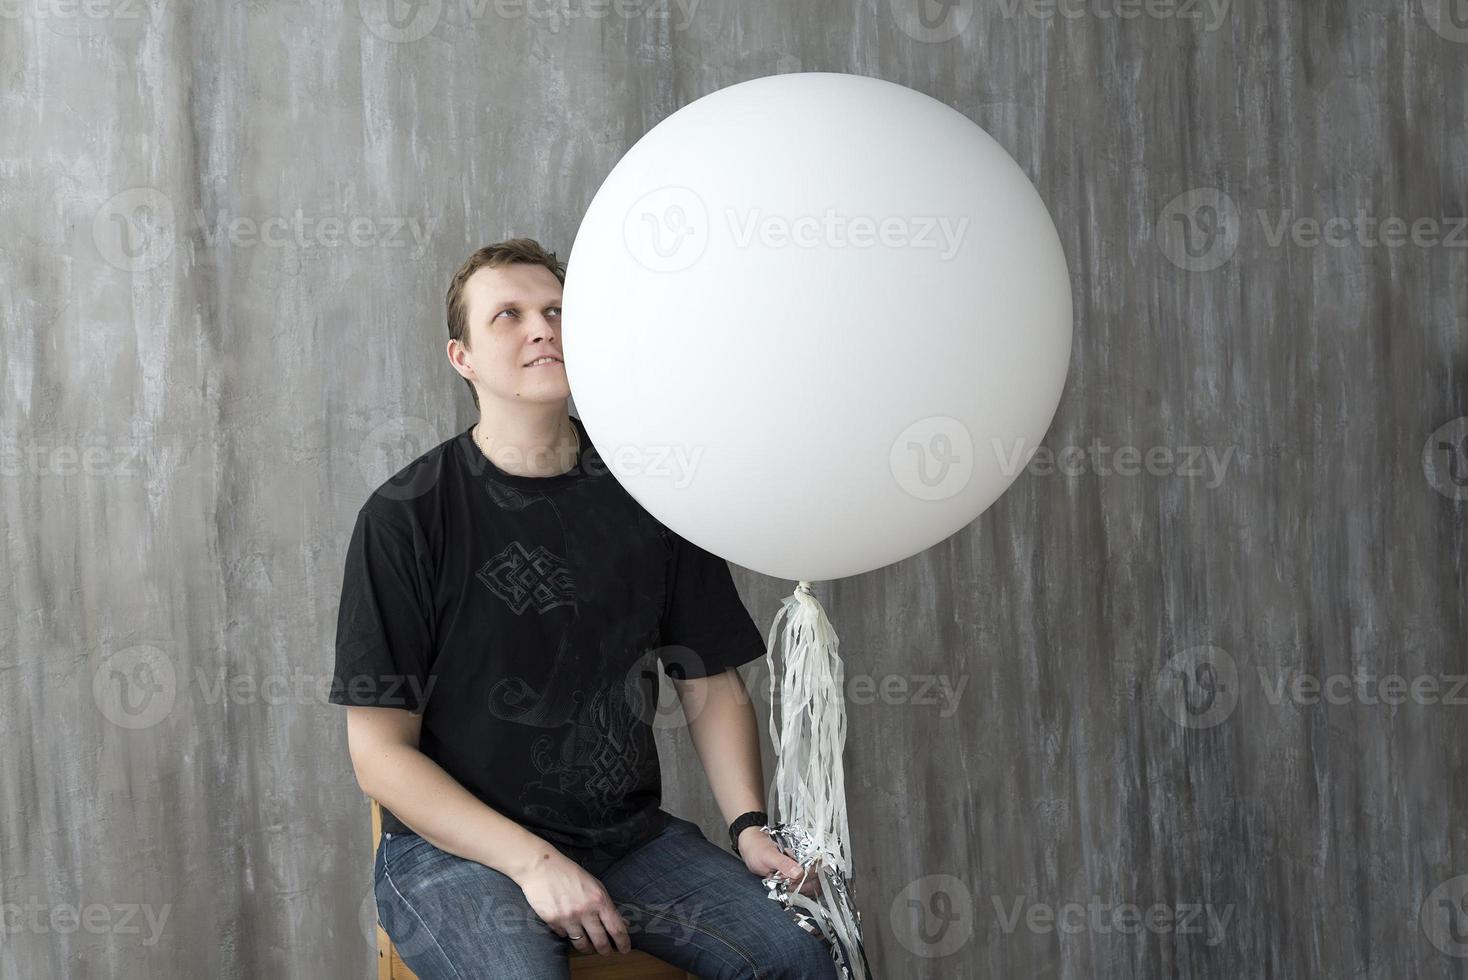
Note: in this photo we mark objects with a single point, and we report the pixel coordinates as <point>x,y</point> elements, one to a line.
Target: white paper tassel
<point>810,784</point>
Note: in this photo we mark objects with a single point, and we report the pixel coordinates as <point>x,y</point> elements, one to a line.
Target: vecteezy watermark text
<point>936,232</point>
<point>33,457</point>
<point>1128,918</point>
<point>122,919</point>
<point>668,229</point>
<point>1289,684</point>
<point>935,458</point>
<point>937,21</point>
<point>138,687</point>
<point>935,916</point>
<point>1103,460</point>
<point>138,229</point>
<point>1200,229</point>
<point>406,21</point>
<point>1208,14</point>
<point>1200,687</point>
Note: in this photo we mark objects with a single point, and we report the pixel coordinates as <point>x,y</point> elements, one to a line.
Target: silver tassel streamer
<point>810,790</point>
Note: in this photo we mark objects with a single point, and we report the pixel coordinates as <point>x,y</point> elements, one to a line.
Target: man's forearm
<point>725,733</point>
<point>441,811</point>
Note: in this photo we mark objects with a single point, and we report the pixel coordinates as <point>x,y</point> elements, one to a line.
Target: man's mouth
<point>541,361</point>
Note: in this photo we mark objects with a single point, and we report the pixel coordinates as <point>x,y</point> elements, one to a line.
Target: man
<point>503,603</point>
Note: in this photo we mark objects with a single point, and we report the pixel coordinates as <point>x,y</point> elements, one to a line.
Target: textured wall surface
<point>1204,712</point>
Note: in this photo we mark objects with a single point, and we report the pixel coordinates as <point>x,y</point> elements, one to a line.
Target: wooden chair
<point>636,965</point>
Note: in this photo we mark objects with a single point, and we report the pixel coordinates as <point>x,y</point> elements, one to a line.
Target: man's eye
<point>555,309</point>
<point>502,313</point>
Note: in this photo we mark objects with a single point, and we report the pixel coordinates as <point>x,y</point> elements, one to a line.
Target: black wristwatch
<point>753,818</point>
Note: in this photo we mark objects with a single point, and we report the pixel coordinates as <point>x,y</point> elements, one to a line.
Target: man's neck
<point>537,445</point>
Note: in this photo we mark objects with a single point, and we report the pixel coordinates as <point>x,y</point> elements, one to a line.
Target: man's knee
<point>798,954</point>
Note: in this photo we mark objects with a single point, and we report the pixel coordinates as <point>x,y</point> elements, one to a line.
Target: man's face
<point>514,319</point>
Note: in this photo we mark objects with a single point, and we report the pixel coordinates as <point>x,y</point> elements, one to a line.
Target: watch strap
<point>751,818</point>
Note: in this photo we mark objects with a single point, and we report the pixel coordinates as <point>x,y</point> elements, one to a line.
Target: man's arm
<point>725,733</point>
<point>393,771</point>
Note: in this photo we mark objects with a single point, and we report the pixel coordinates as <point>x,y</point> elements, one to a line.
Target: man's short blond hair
<point>523,250</point>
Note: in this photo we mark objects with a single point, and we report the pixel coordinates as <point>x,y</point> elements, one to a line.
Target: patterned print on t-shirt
<point>524,579</point>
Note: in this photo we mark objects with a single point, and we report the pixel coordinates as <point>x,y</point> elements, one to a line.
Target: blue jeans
<point>685,900</point>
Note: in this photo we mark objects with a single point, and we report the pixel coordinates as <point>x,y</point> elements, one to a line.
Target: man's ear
<point>455,354</point>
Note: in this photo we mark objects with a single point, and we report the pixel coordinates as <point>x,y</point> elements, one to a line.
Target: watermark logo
<point>139,687</point>
<point>99,459</point>
<point>940,692</point>
<point>649,690</point>
<point>138,229</point>
<point>135,687</point>
<point>409,933</point>
<point>1104,460</point>
<point>367,911</point>
<point>1199,229</point>
<point>832,229</point>
<point>1444,916</point>
<point>300,230</point>
<point>388,449</point>
<point>1209,15</point>
<point>1199,688</point>
<point>406,21</point>
<point>1101,917</point>
<point>1449,18</point>
<point>932,21</point>
<point>933,916</point>
<point>933,458</point>
<point>134,230</point>
<point>1299,687</point>
<point>504,912</point>
<point>1445,459</point>
<point>401,21</point>
<point>79,18</point>
<point>674,463</point>
<point>667,230</point>
<point>121,919</point>
<point>1366,230</point>
<point>936,21</point>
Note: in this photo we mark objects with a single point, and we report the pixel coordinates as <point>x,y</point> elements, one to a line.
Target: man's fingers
<point>592,929</point>
<point>617,930</point>
<point>794,872</point>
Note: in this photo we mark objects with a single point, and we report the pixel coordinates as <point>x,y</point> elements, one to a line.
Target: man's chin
<point>540,392</point>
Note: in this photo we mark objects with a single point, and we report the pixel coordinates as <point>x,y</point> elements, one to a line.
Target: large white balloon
<point>816,322</point>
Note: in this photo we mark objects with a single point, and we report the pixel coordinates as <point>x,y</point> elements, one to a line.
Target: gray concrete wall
<point>196,398</point>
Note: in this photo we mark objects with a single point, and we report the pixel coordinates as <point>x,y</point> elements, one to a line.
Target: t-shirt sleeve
<point>706,628</point>
<point>384,633</point>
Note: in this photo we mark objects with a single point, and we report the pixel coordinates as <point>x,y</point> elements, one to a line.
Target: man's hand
<point>763,857</point>
<point>574,903</point>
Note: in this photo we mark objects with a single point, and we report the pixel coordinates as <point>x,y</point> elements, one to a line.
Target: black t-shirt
<point>523,616</point>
